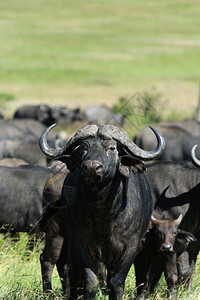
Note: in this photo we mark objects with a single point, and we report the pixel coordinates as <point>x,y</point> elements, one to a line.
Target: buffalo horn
<point>195,160</point>
<point>85,132</point>
<point>153,219</point>
<point>110,131</point>
<point>178,220</point>
<point>106,132</point>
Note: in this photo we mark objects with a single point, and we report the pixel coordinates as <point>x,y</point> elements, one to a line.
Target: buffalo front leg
<point>116,287</point>
<point>48,259</point>
<point>171,276</point>
<point>141,265</point>
<point>116,280</point>
<point>63,268</point>
<point>90,284</point>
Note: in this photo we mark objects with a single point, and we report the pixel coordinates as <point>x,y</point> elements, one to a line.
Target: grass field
<point>80,52</point>
<point>20,278</point>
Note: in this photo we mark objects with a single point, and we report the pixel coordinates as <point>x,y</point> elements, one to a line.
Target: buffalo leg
<point>171,276</point>
<point>62,265</point>
<point>90,284</point>
<point>116,280</point>
<point>116,288</point>
<point>48,259</point>
<point>154,274</point>
<point>141,264</point>
<point>102,276</point>
<point>75,273</point>
<point>184,269</point>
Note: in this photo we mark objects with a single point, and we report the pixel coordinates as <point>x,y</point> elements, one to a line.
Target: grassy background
<point>80,52</point>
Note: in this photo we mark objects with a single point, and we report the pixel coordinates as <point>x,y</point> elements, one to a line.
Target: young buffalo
<point>163,243</point>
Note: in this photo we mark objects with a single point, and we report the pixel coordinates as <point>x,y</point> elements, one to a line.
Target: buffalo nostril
<point>97,166</point>
<point>93,166</point>
<point>166,247</point>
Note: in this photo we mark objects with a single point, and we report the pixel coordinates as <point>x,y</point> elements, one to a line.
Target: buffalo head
<point>98,151</point>
<point>167,234</point>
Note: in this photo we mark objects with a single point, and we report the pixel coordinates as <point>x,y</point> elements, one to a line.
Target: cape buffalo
<point>43,113</point>
<point>106,204</point>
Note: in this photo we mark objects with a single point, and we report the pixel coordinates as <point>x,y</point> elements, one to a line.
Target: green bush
<point>140,109</point>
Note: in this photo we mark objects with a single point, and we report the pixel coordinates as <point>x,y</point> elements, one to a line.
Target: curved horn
<point>87,131</point>
<point>178,220</point>
<point>111,131</point>
<point>195,160</point>
<point>46,149</point>
<point>153,219</point>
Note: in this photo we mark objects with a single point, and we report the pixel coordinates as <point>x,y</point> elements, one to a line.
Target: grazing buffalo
<point>175,190</point>
<point>105,206</point>
<point>69,116</point>
<point>43,113</point>
<point>163,243</point>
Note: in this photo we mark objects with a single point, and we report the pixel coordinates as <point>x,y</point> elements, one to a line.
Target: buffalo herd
<point>102,200</point>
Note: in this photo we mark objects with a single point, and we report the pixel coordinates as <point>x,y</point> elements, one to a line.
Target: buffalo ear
<point>128,163</point>
<point>66,159</point>
<point>184,237</point>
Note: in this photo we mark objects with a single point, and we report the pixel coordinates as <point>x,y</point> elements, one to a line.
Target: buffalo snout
<point>165,247</point>
<point>92,167</point>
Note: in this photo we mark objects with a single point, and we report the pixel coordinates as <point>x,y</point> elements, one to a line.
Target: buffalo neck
<point>111,197</point>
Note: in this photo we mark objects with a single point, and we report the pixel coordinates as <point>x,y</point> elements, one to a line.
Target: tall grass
<point>20,277</point>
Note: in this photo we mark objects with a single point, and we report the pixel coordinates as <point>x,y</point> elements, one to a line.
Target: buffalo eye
<point>85,151</point>
<point>112,148</point>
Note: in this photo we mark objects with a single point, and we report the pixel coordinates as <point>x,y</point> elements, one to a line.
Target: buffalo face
<point>168,236</point>
<point>100,161</point>
<point>165,233</point>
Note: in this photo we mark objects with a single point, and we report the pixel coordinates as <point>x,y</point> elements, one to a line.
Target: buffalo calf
<point>164,242</point>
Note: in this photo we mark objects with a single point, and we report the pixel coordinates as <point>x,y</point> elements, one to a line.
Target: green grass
<point>20,277</point>
<point>73,51</point>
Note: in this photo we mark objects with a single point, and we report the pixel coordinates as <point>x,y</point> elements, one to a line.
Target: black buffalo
<point>106,203</point>
<point>43,113</point>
